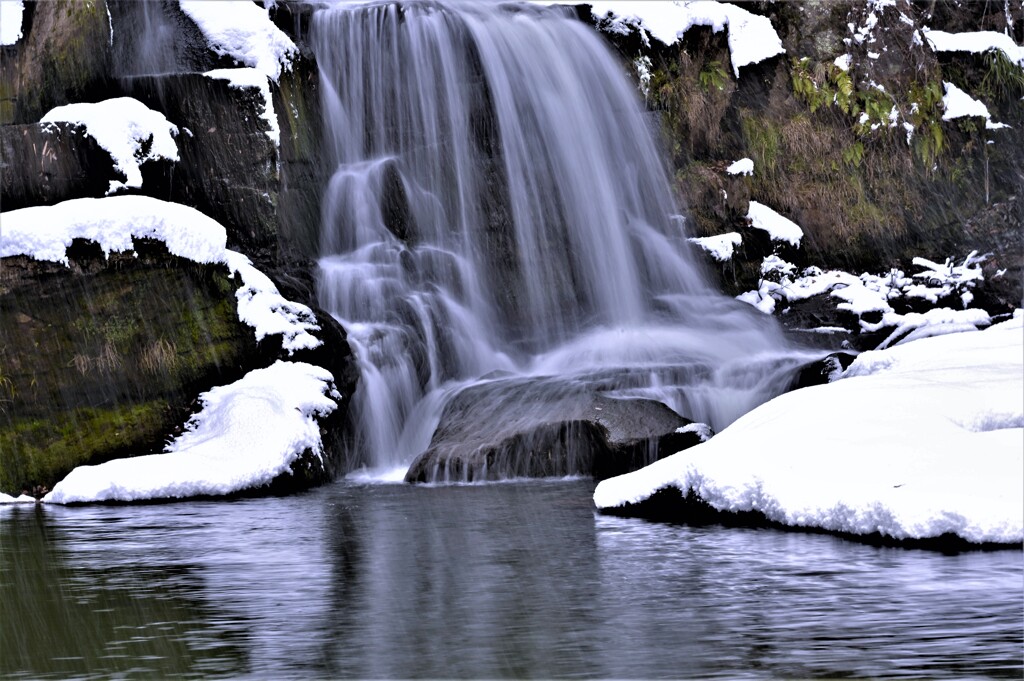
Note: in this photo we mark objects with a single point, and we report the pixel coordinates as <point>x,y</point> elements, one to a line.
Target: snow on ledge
<point>911,442</point>
<point>720,246</point>
<point>976,41</point>
<point>247,434</point>
<point>121,126</point>
<point>45,233</point>
<point>242,78</point>
<point>752,38</point>
<point>243,31</point>
<point>779,228</point>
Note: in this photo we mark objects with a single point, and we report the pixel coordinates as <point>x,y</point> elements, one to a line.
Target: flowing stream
<point>498,204</point>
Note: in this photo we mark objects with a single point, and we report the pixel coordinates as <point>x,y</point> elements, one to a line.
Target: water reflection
<point>505,580</point>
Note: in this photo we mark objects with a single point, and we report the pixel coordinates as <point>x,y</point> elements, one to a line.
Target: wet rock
<point>64,56</point>
<point>822,371</point>
<point>104,358</point>
<point>47,164</point>
<point>228,164</point>
<point>544,427</point>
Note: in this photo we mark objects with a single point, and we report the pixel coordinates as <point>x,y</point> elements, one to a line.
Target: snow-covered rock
<point>122,126</point>
<point>721,246</point>
<point>751,37</point>
<point>243,31</point>
<point>247,434</point>
<point>46,232</point>
<point>912,442</point>
<point>779,227</point>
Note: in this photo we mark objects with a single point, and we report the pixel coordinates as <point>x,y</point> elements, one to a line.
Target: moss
<point>39,452</point>
<point>124,350</point>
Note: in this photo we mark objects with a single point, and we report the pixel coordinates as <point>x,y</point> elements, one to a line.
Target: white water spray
<point>498,204</point>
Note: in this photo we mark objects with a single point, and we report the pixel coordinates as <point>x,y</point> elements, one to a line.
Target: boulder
<point>543,427</point>
<point>104,358</point>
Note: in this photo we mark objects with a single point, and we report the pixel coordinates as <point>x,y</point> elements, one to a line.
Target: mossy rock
<point>104,359</point>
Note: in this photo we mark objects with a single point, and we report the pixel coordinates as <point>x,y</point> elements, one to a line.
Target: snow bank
<point>11,14</point>
<point>122,126</point>
<point>779,228</point>
<point>243,31</point>
<point>752,38</point>
<point>246,434</point>
<point>911,442</point>
<point>45,233</point>
<point>958,104</point>
<point>253,78</point>
<point>720,246</point>
<point>977,41</point>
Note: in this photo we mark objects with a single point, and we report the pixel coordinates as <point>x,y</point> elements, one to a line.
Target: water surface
<point>517,579</point>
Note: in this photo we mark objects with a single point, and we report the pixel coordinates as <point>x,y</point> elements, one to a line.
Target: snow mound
<point>720,246</point>
<point>912,442</point>
<point>242,78</point>
<point>247,434</point>
<point>243,31</point>
<point>752,38</point>
<point>46,232</point>
<point>779,228</point>
<point>122,126</point>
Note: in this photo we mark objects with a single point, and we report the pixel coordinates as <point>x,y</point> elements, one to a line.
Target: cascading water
<point>497,204</point>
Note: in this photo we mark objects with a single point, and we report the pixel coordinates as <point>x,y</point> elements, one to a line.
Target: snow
<point>871,293</point>
<point>243,31</point>
<point>21,499</point>
<point>247,434</point>
<point>11,14</point>
<point>751,38</point>
<point>720,246</point>
<point>121,126</point>
<point>45,233</point>
<point>844,62</point>
<point>779,228</point>
<point>958,104</point>
<point>977,41</point>
<point>744,166</point>
<point>242,78</point>
<point>268,312</point>
<point>911,442</point>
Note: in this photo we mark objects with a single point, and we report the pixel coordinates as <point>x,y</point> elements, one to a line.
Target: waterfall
<point>497,204</point>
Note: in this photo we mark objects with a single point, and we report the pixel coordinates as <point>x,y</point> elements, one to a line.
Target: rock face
<point>44,165</point>
<point>543,427</point>
<point>868,193</point>
<point>103,359</point>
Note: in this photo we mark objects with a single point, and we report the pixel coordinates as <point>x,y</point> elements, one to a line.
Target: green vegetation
<point>41,451</point>
<point>106,364</point>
